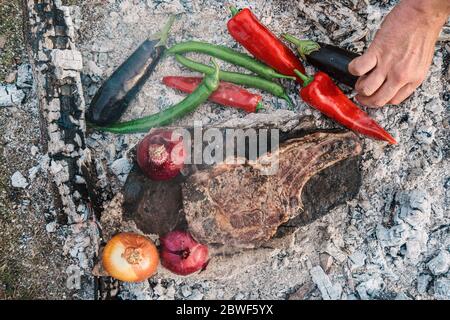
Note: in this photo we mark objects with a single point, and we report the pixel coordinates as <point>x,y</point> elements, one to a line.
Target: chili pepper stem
<point>304,47</point>
<point>164,34</point>
<point>288,100</point>
<point>234,11</point>
<point>282,76</point>
<point>259,107</point>
<point>306,79</point>
<point>212,84</point>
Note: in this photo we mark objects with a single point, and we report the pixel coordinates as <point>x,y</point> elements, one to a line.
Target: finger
<point>363,64</point>
<point>403,94</point>
<point>367,85</point>
<point>383,95</point>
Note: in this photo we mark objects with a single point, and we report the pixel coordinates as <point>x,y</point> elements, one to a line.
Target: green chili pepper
<point>229,55</point>
<point>209,84</point>
<point>237,78</point>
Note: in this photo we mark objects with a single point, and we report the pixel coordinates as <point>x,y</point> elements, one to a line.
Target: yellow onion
<point>130,257</point>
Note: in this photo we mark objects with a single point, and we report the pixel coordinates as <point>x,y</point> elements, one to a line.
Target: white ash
<point>442,289</point>
<point>195,295</point>
<point>357,260</point>
<point>402,296</point>
<point>34,150</point>
<point>409,232</point>
<point>423,282</point>
<point>136,291</point>
<point>440,264</point>
<point>326,261</point>
<point>18,180</point>
<point>51,227</point>
<point>73,277</point>
<point>330,248</point>
<point>67,63</point>
<point>186,291</point>
<point>24,76</point>
<point>328,290</point>
<point>164,291</point>
<point>121,167</point>
<point>370,288</point>
<point>32,172</point>
<point>239,296</point>
<point>92,69</point>
<point>382,241</point>
<point>10,95</point>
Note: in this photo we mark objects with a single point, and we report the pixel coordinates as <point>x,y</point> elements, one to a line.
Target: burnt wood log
<point>56,65</point>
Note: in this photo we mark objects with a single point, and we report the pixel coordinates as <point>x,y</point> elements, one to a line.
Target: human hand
<point>400,56</point>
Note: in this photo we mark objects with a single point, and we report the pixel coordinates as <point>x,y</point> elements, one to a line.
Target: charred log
<point>56,67</point>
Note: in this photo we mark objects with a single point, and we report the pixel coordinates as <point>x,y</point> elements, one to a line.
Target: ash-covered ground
<point>391,242</point>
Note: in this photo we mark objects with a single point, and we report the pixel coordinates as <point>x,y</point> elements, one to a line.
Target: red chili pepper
<point>227,94</point>
<point>323,94</point>
<point>245,28</point>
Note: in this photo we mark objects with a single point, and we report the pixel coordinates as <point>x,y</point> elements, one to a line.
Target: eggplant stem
<point>306,79</point>
<point>304,47</point>
<point>164,33</point>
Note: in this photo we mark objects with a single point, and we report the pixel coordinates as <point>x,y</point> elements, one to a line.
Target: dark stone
<point>155,206</point>
<point>328,189</point>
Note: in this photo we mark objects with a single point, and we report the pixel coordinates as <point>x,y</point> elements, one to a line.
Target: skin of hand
<point>398,59</point>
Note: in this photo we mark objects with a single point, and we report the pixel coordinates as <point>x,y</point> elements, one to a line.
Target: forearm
<point>437,11</point>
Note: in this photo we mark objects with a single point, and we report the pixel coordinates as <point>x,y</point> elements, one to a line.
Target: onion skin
<point>181,254</point>
<point>161,155</point>
<point>130,257</point>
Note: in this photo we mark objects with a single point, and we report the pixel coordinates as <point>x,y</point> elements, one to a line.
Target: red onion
<point>161,155</point>
<point>181,254</point>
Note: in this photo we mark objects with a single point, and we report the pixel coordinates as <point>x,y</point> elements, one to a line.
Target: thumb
<point>363,64</point>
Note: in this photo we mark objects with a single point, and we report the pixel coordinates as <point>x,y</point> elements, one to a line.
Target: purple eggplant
<point>330,59</point>
<point>116,93</point>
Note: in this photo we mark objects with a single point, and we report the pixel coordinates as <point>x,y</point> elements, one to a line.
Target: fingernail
<point>357,98</point>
